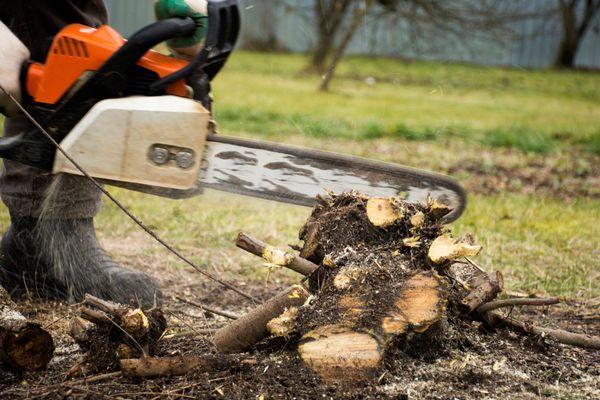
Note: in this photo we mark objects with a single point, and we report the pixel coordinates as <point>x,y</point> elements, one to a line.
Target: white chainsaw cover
<point>115,138</point>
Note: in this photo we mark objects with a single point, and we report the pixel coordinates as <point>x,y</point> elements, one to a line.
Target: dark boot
<point>62,259</point>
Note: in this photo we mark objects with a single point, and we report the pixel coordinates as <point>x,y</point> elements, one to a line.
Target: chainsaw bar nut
<point>184,159</point>
<point>160,155</point>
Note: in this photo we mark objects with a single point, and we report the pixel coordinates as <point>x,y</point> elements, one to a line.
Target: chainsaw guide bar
<point>296,175</point>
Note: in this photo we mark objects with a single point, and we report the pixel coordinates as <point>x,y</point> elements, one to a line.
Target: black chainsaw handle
<point>113,73</point>
<point>223,30</point>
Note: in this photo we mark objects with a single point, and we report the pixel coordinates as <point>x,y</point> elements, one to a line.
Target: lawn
<point>421,114</point>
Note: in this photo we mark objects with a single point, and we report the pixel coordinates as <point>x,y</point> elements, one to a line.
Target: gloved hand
<point>12,55</point>
<point>187,47</point>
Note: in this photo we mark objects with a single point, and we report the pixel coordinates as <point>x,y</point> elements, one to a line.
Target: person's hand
<point>12,55</point>
<point>186,47</point>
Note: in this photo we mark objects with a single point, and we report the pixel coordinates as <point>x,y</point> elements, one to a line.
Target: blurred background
<point>517,33</point>
<point>502,95</point>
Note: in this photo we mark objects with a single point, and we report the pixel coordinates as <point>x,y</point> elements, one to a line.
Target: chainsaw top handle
<point>113,73</point>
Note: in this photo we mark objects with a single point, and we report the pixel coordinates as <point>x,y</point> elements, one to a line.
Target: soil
<point>485,364</point>
<point>461,358</point>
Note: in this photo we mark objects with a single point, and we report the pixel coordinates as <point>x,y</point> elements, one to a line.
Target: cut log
<point>173,366</point>
<point>421,303</point>
<point>274,255</point>
<point>243,333</point>
<point>381,212</point>
<point>24,345</point>
<point>338,353</point>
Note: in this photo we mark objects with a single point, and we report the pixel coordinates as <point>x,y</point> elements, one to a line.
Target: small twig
<point>222,313</point>
<point>561,336</point>
<point>493,305</point>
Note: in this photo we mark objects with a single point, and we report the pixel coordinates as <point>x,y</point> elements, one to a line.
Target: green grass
<point>414,113</point>
<point>539,244</point>
<point>533,111</point>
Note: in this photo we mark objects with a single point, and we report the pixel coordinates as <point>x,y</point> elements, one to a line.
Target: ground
<point>526,145</point>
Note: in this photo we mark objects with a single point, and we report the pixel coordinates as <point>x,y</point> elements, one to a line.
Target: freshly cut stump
<point>378,285</point>
<point>24,345</point>
<point>337,352</point>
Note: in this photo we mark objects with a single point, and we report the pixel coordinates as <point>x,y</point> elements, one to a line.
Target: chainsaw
<point>139,119</point>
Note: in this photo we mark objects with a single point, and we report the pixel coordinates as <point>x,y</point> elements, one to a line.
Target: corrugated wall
<point>293,30</point>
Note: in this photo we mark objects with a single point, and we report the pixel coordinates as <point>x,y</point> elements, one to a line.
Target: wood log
<point>24,345</point>
<point>339,353</point>
<point>243,333</point>
<point>173,366</point>
<point>274,255</point>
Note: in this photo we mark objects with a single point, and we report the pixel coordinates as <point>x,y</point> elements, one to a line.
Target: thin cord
<point>122,207</point>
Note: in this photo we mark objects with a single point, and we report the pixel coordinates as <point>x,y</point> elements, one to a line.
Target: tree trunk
<point>573,32</point>
<point>329,15</point>
<point>341,49</point>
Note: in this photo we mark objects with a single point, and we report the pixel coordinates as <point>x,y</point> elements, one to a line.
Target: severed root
<point>493,305</point>
<point>339,353</point>
<point>421,303</point>
<point>24,345</point>
<point>283,326</point>
<point>243,333</point>
<point>173,366</point>
<point>561,336</point>
<point>445,248</point>
<point>274,255</point>
<point>382,212</point>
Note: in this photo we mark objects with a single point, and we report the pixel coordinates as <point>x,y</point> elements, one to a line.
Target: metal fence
<point>264,19</point>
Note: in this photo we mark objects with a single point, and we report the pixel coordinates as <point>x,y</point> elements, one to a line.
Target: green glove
<point>186,47</point>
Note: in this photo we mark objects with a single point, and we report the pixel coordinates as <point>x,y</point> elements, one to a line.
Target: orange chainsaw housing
<point>77,49</point>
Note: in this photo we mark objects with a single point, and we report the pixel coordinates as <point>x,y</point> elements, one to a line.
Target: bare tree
<point>577,16</point>
<point>338,20</point>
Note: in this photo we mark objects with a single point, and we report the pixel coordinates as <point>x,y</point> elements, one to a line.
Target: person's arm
<point>12,55</point>
<point>187,47</point>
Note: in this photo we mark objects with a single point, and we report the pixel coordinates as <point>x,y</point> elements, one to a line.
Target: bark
<point>243,333</point>
<point>181,365</point>
<point>493,305</point>
<point>24,345</point>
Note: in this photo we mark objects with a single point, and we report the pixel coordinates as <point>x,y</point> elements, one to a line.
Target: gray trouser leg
<point>30,192</point>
